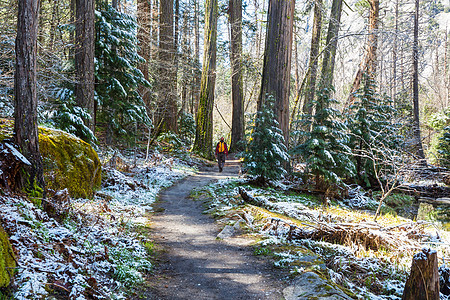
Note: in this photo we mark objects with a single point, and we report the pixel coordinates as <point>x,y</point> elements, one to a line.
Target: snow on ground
<point>93,252</point>
<point>367,273</point>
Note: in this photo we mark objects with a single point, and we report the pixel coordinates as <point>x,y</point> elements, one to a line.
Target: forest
<point>337,119</point>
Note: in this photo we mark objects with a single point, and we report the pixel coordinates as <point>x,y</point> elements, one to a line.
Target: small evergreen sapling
<point>444,148</point>
<point>266,154</point>
<point>325,148</point>
<point>372,132</point>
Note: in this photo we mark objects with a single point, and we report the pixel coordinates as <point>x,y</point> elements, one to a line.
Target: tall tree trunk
<point>84,58</point>
<point>369,65</point>
<point>394,57</point>
<point>313,58</point>
<point>237,126</point>
<point>167,98</point>
<point>25,100</point>
<point>417,137</point>
<point>277,60</point>
<point>144,42</point>
<point>204,120</point>
<point>197,66</point>
<point>54,24</point>
<point>329,56</point>
<point>155,29</point>
<point>373,38</point>
<point>176,35</point>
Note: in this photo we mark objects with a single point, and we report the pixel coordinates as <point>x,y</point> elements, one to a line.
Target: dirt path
<point>196,265</point>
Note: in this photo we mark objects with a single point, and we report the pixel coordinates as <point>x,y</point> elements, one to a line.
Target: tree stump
<point>423,282</point>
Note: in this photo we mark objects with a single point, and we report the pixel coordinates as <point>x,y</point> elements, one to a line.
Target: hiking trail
<point>192,262</point>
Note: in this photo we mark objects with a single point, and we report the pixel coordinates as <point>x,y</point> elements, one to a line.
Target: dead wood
<point>363,235</point>
<point>423,282</point>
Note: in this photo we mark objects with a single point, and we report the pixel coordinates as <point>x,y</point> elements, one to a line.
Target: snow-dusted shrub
<point>266,154</point>
<point>325,142</point>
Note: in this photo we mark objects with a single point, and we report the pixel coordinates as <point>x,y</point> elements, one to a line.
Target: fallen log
<point>435,201</point>
<point>317,226</point>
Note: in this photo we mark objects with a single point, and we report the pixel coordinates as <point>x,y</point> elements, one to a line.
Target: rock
<point>7,260</point>
<point>309,285</point>
<point>69,162</point>
<point>227,232</point>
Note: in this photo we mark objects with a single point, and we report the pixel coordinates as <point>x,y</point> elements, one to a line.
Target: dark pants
<point>221,160</point>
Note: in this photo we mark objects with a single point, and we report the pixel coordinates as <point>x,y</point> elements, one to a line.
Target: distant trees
<point>146,67</point>
<point>25,97</point>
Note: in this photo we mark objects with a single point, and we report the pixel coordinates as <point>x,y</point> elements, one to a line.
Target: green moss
<point>7,260</point>
<point>68,161</point>
<point>6,129</point>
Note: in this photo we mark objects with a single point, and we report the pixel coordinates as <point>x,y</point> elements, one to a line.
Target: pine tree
<point>266,154</point>
<point>117,74</point>
<point>369,120</point>
<point>444,148</point>
<point>325,149</point>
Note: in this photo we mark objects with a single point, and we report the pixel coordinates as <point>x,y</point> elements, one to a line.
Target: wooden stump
<point>423,282</point>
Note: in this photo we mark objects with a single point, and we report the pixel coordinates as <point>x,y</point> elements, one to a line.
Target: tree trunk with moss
<point>204,121</point>
<point>25,101</point>
<point>277,60</point>
<point>237,85</point>
<point>329,56</point>
<point>313,58</point>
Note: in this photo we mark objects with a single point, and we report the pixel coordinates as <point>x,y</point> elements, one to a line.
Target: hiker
<point>221,152</point>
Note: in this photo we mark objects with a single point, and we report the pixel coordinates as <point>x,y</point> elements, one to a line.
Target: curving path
<point>193,263</point>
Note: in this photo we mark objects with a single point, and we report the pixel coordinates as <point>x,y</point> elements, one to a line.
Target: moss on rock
<point>69,162</point>
<point>7,261</point>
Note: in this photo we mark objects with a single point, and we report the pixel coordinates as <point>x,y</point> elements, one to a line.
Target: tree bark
<point>418,139</point>
<point>144,42</point>
<point>329,56</point>
<point>237,126</point>
<point>313,58</point>
<point>277,61</point>
<point>25,97</point>
<point>197,74</point>
<point>167,98</point>
<point>369,65</point>
<point>423,282</point>
<point>204,120</point>
<point>84,58</point>
<point>394,58</point>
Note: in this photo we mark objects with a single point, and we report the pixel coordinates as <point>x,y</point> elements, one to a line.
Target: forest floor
<point>191,260</point>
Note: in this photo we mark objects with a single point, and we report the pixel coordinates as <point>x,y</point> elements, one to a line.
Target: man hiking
<point>221,152</point>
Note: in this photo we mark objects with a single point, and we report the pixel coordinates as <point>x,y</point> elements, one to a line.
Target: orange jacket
<point>221,148</point>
